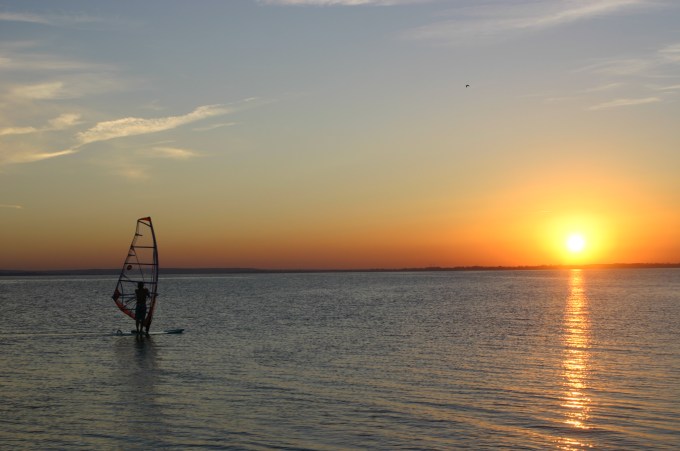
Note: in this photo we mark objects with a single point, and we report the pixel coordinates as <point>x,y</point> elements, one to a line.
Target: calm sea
<point>437,360</point>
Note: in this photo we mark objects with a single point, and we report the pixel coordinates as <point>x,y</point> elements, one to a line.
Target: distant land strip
<point>168,271</point>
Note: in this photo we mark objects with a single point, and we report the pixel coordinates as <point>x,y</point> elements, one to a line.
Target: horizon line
<point>246,270</point>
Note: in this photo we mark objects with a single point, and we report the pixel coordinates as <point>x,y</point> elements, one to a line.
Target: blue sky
<point>339,133</point>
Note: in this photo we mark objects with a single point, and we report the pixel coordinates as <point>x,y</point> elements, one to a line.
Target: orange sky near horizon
<point>496,233</point>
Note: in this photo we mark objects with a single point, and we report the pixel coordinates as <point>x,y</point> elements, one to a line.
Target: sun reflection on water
<point>575,362</point>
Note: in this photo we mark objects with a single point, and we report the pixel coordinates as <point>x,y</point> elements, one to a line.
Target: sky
<point>340,134</point>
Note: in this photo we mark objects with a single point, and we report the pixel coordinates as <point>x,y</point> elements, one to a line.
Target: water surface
<point>436,360</point>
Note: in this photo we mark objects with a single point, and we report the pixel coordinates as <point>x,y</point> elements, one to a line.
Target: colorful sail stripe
<point>141,265</point>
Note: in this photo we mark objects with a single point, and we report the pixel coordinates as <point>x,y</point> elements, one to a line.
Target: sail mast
<point>154,292</point>
<point>141,265</point>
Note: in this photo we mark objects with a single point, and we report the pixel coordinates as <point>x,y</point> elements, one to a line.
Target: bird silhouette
<point>467,86</point>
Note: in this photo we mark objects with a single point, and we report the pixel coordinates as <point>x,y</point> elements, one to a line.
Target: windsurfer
<point>140,311</point>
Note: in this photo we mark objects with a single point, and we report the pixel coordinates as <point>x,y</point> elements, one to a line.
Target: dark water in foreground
<point>479,360</point>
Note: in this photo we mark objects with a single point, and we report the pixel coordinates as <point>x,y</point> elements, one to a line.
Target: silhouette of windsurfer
<point>141,293</point>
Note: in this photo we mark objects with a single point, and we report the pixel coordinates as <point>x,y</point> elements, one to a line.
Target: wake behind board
<point>120,333</point>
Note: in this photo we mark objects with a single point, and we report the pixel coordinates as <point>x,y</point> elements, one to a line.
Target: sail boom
<point>141,265</point>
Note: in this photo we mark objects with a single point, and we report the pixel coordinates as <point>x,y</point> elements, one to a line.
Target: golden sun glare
<point>576,243</point>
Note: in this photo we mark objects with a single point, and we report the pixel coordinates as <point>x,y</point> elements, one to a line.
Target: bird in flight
<point>467,86</point>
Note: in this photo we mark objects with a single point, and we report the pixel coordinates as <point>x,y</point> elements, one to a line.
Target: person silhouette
<point>141,293</point>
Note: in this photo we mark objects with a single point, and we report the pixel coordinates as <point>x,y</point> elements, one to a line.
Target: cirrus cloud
<point>41,91</point>
<point>496,18</point>
<point>173,153</point>
<point>45,19</point>
<point>104,131</point>
<point>341,2</point>
<point>31,156</point>
<point>131,126</point>
<point>624,102</point>
<point>61,122</point>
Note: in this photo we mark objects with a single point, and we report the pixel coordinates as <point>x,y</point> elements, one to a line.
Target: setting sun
<point>576,243</point>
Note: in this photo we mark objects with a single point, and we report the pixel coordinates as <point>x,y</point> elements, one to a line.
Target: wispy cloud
<point>618,103</point>
<point>658,64</point>
<point>40,91</point>
<point>214,126</point>
<point>29,55</point>
<point>135,168</point>
<point>131,126</point>
<point>669,88</point>
<point>619,67</point>
<point>43,62</point>
<point>62,122</point>
<point>18,131</point>
<point>174,153</point>
<point>134,173</point>
<point>641,72</point>
<point>47,19</point>
<point>108,130</point>
<point>23,17</point>
<point>341,2</point>
<point>31,156</point>
<point>501,18</point>
<point>605,87</point>
<point>14,207</point>
<point>671,53</point>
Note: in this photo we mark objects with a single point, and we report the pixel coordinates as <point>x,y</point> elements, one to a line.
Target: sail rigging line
<point>141,265</point>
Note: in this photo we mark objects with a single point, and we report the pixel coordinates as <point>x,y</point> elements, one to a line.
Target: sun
<point>576,243</point>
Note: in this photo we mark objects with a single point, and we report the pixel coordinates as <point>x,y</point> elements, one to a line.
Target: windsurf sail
<point>141,265</point>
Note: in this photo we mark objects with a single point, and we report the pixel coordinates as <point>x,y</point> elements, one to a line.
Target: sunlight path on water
<point>575,364</point>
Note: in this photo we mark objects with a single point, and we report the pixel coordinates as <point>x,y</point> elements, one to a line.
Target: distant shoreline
<point>113,272</point>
